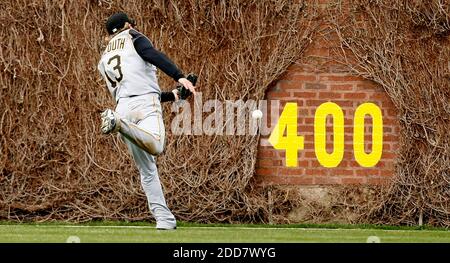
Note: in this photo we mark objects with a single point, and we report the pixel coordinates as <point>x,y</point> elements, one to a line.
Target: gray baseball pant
<point>142,129</point>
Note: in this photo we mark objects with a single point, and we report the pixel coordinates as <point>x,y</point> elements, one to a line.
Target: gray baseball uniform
<point>128,65</point>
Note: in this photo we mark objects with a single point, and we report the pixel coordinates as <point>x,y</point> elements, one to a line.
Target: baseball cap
<point>117,21</point>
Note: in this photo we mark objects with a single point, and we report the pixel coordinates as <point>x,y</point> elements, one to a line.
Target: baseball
<point>257,114</point>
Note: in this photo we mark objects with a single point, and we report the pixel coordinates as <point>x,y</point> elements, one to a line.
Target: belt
<point>131,96</point>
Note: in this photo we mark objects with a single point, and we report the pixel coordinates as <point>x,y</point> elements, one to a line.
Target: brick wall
<point>311,82</point>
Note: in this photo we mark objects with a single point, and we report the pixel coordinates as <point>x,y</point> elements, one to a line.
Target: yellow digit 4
<point>291,142</point>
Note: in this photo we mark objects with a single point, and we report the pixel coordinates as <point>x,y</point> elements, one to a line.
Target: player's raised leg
<point>131,126</point>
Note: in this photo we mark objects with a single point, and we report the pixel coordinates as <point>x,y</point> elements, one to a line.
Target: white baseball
<point>257,114</point>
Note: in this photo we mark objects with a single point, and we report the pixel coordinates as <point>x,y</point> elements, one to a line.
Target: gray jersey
<point>125,72</point>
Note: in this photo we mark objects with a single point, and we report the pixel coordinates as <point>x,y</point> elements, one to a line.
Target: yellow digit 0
<point>320,134</point>
<point>368,159</point>
<point>291,142</point>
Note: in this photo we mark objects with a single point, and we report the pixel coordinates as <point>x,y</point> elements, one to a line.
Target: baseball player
<point>128,65</point>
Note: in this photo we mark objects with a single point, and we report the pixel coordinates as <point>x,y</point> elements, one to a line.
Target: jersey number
<point>117,67</point>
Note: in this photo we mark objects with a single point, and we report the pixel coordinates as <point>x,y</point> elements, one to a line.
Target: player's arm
<point>147,52</point>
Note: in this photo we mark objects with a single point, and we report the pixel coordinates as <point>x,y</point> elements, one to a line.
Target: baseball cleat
<point>110,122</point>
<point>164,228</point>
<point>166,225</point>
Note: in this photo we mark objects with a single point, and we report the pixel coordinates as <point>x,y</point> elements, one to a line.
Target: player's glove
<point>184,93</point>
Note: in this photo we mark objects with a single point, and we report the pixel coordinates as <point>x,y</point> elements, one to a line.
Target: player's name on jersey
<point>116,44</point>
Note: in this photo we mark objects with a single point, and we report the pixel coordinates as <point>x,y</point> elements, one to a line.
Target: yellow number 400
<point>292,142</point>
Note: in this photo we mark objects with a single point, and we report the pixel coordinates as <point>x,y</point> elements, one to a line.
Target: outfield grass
<point>144,232</point>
